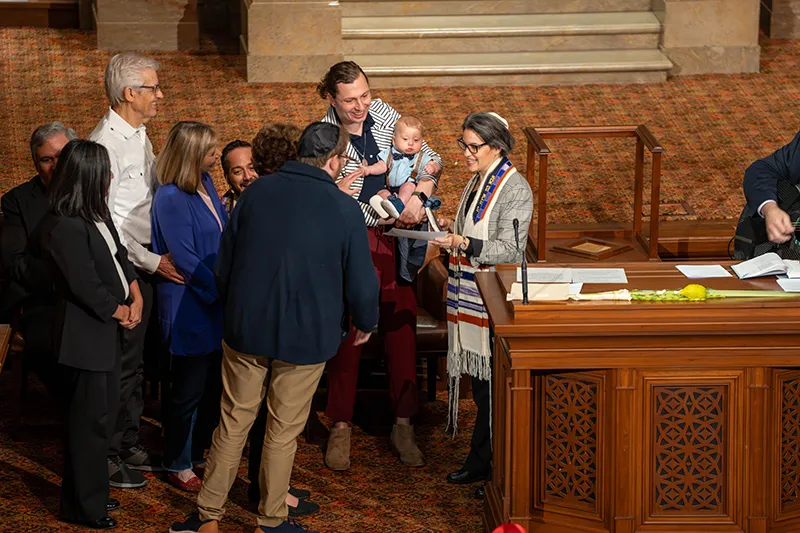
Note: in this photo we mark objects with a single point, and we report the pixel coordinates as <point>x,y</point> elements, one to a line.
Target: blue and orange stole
<point>469,349</point>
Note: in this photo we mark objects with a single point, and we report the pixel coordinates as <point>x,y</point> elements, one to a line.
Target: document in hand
<point>769,264</point>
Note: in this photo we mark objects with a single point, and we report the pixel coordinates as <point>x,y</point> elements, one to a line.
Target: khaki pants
<point>291,390</point>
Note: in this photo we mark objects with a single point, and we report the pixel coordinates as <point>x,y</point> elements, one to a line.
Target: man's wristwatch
<point>422,196</point>
<point>464,243</point>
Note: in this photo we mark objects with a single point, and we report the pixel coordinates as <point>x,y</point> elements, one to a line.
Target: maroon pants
<point>397,323</point>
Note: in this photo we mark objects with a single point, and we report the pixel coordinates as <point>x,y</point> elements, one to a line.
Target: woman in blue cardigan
<point>188,221</point>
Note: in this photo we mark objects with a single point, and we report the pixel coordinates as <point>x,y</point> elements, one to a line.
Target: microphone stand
<point>524,265</point>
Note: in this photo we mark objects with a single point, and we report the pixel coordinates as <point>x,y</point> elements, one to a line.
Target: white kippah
<point>498,117</point>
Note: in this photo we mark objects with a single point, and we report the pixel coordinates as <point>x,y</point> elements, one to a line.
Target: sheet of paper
<point>546,275</point>
<point>599,275</point>
<point>792,268</point>
<point>789,284</point>
<point>575,288</point>
<point>540,292</point>
<point>419,235</point>
<point>703,271</point>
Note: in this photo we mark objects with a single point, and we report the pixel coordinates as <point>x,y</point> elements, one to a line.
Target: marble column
<point>710,36</point>
<point>146,24</point>
<point>290,40</point>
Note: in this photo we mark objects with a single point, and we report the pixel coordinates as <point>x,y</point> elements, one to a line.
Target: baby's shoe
<point>394,206</point>
<point>376,202</point>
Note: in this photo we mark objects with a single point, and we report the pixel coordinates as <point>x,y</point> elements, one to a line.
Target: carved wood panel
<point>572,431</point>
<point>689,450</point>
<point>790,443</point>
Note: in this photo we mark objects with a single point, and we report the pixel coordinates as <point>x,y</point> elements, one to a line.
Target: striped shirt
<point>385,117</point>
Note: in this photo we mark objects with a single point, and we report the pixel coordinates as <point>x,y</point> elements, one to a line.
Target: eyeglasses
<point>473,148</point>
<point>156,88</point>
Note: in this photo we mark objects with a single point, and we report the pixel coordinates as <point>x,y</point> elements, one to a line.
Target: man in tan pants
<point>286,292</point>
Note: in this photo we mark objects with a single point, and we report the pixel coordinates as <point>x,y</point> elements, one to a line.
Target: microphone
<point>524,264</point>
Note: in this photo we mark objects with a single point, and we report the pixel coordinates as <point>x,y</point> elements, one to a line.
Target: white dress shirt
<point>132,187</point>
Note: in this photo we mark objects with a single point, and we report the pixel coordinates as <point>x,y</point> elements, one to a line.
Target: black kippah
<point>318,139</point>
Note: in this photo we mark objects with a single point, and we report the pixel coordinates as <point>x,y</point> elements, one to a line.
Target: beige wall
<point>710,36</point>
<point>146,24</point>
<point>291,40</point>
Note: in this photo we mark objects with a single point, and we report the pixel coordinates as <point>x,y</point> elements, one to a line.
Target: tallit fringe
<point>458,364</point>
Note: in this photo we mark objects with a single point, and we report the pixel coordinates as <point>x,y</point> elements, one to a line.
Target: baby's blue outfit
<point>402,167</point>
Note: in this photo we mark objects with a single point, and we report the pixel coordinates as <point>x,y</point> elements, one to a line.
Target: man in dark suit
<point>27,282</point>
<point>761,189</point>
<point>293,269</point>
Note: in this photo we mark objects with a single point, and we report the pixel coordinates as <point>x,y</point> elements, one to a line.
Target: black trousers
<point>131,399</point>
<point>91,400</point>
<point>36,326</point>
<point>195,383</point>
<point>479,458</point>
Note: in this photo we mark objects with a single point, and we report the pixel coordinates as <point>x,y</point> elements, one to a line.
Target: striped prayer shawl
<point>469,349</point>
<point>385,117</point>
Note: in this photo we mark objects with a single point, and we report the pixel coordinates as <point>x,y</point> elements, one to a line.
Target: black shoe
<point>254,493</point>
<point>462,477</point>
<point>101,523</point>
<point>304,508</point>
<point>137,458</point>
<point>122,477</point>
<point>480,492</point>
<point>190,525</point>
<point>112,504</point>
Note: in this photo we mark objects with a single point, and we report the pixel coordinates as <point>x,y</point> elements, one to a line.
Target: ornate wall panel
<point>572,431</point>
<point>788,490</point>
<point>689,445</point>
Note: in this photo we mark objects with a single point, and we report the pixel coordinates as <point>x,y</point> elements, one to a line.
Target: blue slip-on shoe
<point>290,526</point>
<point>433,203</point>
<point>394,206</point>
<point>192,524</point>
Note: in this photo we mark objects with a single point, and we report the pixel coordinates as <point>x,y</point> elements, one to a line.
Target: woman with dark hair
<point>370,124</point>
<point>482,236</point>
<point>187,223</point>
<point>98,295</point>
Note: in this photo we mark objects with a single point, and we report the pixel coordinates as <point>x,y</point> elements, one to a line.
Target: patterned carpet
<point>377,495</point>
<point>710,126</point>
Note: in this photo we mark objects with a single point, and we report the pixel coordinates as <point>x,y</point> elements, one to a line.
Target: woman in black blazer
<point>98,295</point>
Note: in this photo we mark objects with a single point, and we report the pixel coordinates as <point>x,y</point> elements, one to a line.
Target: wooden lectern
<point>626,417</point>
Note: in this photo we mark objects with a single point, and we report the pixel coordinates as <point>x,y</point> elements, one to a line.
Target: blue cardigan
<point>182,225</point>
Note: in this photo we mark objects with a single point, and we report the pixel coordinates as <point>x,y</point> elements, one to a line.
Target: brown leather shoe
<point>405,445</point>
<point>337,456</point>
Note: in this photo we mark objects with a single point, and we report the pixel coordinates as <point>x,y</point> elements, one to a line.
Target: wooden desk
<point>643,416</point>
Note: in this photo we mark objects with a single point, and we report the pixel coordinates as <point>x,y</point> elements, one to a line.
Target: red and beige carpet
<point>712,127</point>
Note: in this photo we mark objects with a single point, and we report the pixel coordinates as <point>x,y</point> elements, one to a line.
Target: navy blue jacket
<point>761,178</point>
<point>182,225</point>
<point>294,265</point>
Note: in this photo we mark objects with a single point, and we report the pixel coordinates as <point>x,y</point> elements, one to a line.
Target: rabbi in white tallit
<point>482,236</point>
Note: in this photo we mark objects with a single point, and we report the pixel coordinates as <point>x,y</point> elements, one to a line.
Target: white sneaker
<point>376,202</point>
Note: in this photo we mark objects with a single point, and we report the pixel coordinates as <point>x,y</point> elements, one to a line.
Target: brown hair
<point>409,121</point>
<point>181,158</point>
<point>342,72</point>
<point>339,149</point>
<point>274,145</point>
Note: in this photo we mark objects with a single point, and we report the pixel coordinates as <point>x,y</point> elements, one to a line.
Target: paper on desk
<point>789,284</point>
<point>546,275</point>
<point>540,292</point>
<point>703,271</point>
<point>418,235</point>
<point>599,275</point>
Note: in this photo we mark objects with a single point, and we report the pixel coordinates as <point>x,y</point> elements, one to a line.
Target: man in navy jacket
<point>760,188</point>
<point>293,270</point>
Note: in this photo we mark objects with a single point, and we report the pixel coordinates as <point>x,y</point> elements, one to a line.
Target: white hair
<point>125,70</point>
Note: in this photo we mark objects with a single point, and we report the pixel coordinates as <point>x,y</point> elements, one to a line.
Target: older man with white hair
<point>134,93</point>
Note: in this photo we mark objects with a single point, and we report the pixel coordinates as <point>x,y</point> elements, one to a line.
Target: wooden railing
<point>538,147</point>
